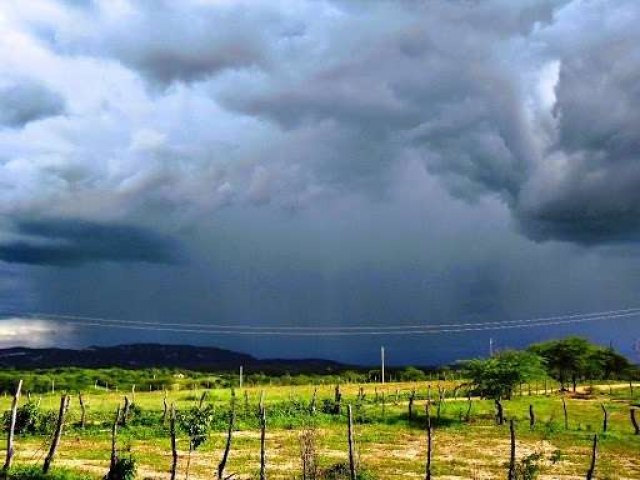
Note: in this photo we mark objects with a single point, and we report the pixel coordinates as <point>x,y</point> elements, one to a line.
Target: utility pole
<point>241,376</point>
<point>382,362</point>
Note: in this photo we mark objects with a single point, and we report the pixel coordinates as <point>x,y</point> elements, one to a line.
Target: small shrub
<point>124,469</point>
<point>340,471</point>
<point>196,423</point>
<point>528,468</point>
<point>556,456</point>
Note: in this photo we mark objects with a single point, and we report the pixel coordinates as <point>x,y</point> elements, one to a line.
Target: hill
<point>149,355</point>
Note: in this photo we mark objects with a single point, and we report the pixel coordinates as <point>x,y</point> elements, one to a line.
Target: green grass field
<point>389,444</point>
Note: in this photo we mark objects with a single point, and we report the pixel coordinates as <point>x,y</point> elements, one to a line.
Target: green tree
<point>411,374</point>
<point>498,376</point>
<point>575,358</point>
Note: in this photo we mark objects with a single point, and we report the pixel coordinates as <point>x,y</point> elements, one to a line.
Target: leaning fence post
<point>12,426</point>
<point>352,460</point>
<point>125,411</point>
<point>174,449</point>
<point>165,407</point>
<point>83,410</point>
<point>594,453</point>
<point>64,404</point>
<point>512,455</point>
<point>227,447</point>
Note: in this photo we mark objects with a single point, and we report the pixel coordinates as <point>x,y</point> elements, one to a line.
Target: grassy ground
<point>389,444</point>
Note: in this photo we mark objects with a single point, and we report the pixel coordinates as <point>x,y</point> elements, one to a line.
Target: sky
<point>319,164</point>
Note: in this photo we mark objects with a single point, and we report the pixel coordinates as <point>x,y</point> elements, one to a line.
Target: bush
<point>340,471</point>
<point>124,469</point>
<point>31,420</point>
<point>35,473</point>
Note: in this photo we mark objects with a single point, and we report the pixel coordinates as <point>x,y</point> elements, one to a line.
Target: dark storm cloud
<point>68,242</point>
<point>326,162</point>
<point>24,102</point>
<point>534,101</point>
<point>593,196</point>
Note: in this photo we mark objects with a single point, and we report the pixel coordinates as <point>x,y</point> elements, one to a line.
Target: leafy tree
<point>574,358</point>
<point>411,374</point>
<point>498,376</point>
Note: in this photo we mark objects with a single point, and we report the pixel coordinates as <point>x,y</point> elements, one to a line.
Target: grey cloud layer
<point>533,101</point>
<point>21,103</point>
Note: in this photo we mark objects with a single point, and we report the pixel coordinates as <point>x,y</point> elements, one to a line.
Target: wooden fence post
<point>337,409</point>
<point>114,440</point>
<point>165,407</point>
<point>512,454</point>
<point>125,411</point>
<point>605,420</point>
<point>441,398</point>
<point>468,415</point>
<point>227,447</point>
<point>566,415</point>
<point>64,404</point>
<point>312,405</point>
<point>263,431</point>
<point>634,421</point>
<point>352,460</point>
<point>12,427</point>
<point>412,397</point>
<point>429,440</point>
<point>499,412</point>
<point>532,417</point>
<point>174,449</point>
<point>83,411</point>
<point>594,453</point>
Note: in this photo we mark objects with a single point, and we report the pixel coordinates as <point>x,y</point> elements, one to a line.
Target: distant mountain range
<point>146,355</point>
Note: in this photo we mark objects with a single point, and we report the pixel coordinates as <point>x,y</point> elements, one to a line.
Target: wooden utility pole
<point>241,375</point>
<point>382,364</point>
<point>12,427</point>
<point>352,459</point>
<point>64,404</point>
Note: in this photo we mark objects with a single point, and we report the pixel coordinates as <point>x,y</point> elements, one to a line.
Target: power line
<point>334,331</point>
<point>355,328</point>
